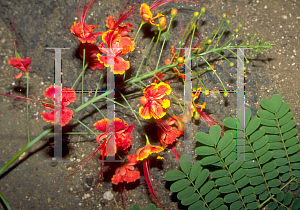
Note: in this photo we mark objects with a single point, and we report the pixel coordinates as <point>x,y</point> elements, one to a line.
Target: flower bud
<point>162,22</point>
<point>167,61</point>
<point>203,9</point>
<point>224,16</point>
<point>180,60</point>
<point>227,22</point>
<point>225,94</point>
<point>196,14</point>
<point>197,115</point>
<point>206,92</point>
<point>174,13</point>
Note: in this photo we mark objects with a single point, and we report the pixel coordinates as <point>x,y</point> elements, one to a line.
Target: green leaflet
<point>249,174</point>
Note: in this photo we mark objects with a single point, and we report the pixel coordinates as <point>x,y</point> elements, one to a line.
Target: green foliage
<point>151,206</point>
<point>255,160</point>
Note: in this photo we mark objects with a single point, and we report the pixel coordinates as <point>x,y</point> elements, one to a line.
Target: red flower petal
<point>120,65</point>
<point>116,179</point>
<point>110,22</point>
<point>18,76</point>
<point>50,91</point>
<point>66,116</point>
<point>68,96</point>
<point>48,117</point>
<point>132,176</point>
<point>101,125</point>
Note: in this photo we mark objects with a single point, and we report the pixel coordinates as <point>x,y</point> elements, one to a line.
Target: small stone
<point>108,195</point>
<point>284,17</point>
<point>85,196</point>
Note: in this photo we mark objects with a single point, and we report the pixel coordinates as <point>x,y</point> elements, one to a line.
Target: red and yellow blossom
<point>147,150</point>
<point>83,31</point>
<point>21,64</point>
<point>122,134</point>
<point>154,101</point>
<point>168,134</point>
<point>147,15</point>
<point>123,30</point>
<point>116,46</point>
<point>68,96</point>
<point>126,172</point>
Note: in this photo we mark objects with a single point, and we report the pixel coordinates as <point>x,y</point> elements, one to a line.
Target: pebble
<point>108,195</point>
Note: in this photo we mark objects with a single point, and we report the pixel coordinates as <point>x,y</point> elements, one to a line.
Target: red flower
<point>83,31</point>
<point>91,52</point>
<point>122,134</point>
<point>126,173</point>
<point>123,30</point>
<point>68,96</point>
<point>147,150</point>
<point>21,64</point>
<point>117,46</point>
<point>167,133</point>
<point>154,101</point>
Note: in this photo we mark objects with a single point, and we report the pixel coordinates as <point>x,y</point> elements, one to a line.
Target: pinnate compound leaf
<point>174,175</point>
<point>185,163</point>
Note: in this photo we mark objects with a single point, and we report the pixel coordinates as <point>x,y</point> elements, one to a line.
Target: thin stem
<point>99,110</point>
<point>78,78</point>
<point>85,126</point>
<point>98,84</point>
<point>27,117</point>
<point>5,202</point>
<point>144,57</point>
<point>82,76</point>
<point>25,148</point>
<point>159,32</point>
<point>141,25</point>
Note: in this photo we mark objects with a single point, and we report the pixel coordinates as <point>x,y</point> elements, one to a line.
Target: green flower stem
<point>132,111</point>
<point>78,78</point>
<point>162,47</point>
<point>221,33</point>
<point>82,75</point>
<point>85,126</point>
<point>99,110</point>
<point>92,101</point>
<point>159,32</point>
<point>27,117</point>
<point>123,106</point>
<point>214,72</point>
<point>144,57</point>
<point>185,36</point>
<point>98,85</point>
<point>141,25</point>
<point>5,202</point>
<point>25,148</point>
